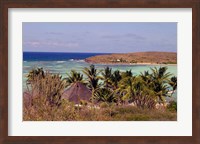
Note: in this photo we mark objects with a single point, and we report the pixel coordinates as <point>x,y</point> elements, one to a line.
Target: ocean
<point>63,63</point>
<point>56,56</point>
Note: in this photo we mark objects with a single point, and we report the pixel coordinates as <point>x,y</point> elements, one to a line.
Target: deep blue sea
<point>56,56</point>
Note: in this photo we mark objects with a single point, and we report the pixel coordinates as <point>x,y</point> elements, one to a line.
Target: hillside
<point>135,58</point>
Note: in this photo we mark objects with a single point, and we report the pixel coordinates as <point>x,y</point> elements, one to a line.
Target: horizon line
<point>98,52</point>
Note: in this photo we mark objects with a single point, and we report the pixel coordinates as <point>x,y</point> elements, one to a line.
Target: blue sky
<point>99,37</point>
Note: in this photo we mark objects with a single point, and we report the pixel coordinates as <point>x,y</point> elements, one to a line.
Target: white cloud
<point>50,43</point>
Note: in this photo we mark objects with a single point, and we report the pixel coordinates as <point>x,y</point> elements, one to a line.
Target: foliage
<point>37,72</point>
<point>92,76</point>
<point>105,95</point>
<point>173,84</point>
<point>172,106</point>
<point>160,78</point>
<point>46,85</point>
<point>114,94</point>
<point>92,79</point>
<point>74,77</point>
<point>106,76</point>
<point>146,77</point>
<point>133,89</point>
<point>115,78</point>
<point>41,111</point>
<point>157,81</point>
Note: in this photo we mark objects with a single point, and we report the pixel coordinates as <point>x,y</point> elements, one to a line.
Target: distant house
<point>77,92</point>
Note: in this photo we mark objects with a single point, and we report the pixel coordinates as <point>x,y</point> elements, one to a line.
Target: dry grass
<point>140,57</point>
<point>68,112</point>
<point>47,88</point>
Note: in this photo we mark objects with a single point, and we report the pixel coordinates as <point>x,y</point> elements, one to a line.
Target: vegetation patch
<point>103,95</point>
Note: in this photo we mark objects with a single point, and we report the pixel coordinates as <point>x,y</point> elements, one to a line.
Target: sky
<point>99,37</point>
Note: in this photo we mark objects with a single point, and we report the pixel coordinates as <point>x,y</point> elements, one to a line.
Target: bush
<point>172,106</point>
<point>41,111</point>
<point>46,85</point>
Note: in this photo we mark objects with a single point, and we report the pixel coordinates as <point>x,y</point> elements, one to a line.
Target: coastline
<point>134,64</point>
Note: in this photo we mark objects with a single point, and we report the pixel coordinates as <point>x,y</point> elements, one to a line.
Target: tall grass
<point>46,88</point>
<point>68,112</point>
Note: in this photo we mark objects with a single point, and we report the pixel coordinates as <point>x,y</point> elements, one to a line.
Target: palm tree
<point>74,77</point>
<point>161,74</point>
<point>146,77</point>
<point>105,95</point>
<point>32,78</point>
<point>128,73</point>
<point>92,78</point>
<point>126,88</point>
<point>107,75</point>
<point>38,72</point>
<point>173,84</point>
<point>159,80</point>
<point>130,88</point>
<point>115,78</point>
<point>134,89</point>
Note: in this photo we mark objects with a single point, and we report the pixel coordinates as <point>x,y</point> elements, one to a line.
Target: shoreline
<point>134,64</point>
<point>101,63</point>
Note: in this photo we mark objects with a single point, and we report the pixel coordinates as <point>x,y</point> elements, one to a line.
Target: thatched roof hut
<point>76,92</point>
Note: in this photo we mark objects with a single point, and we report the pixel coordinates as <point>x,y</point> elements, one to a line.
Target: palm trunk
<point>93,96</point>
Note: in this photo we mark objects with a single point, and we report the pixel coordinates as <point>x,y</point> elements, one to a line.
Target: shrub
<point>49,86</point>
<point>172,106</point>
<point>41,111</point>
<point>145,102</point>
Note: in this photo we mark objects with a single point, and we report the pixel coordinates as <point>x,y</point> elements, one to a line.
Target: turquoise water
<point>63,67</point>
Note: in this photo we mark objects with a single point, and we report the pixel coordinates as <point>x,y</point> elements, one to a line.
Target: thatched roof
<point>76,92</point>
